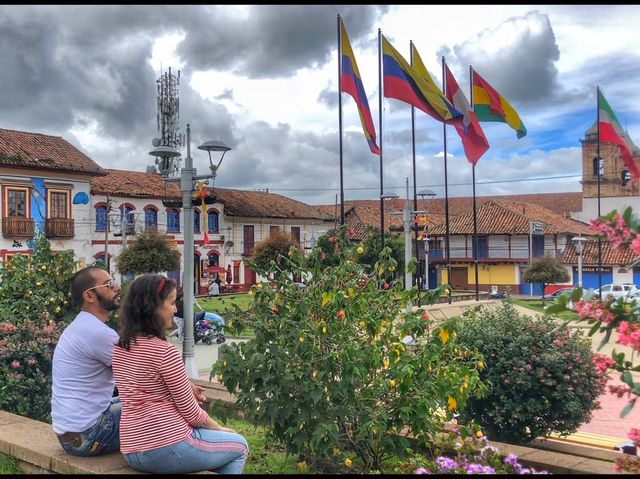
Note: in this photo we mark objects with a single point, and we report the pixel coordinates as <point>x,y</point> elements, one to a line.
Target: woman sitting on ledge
<point>162,428</point>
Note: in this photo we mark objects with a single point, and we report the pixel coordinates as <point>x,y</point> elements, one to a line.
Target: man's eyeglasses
<point>112,283</point>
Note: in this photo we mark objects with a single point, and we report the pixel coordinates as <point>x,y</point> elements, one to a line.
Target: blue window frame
<point>150,218</point>
<point>212,222</point>
<point>173,221</point>
<point>101,218</point>
<point>196,221</point>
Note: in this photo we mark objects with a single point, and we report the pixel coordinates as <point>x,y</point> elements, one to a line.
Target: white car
<point>617,290</point>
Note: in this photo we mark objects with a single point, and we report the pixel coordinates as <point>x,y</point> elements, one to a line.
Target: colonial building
<point>126,202</point>
<point>45,184</point>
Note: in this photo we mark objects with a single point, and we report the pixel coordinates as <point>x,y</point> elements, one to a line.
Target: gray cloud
<point>517,58</point>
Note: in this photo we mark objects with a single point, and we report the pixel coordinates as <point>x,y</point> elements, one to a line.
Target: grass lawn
<point>8,465</point>
<point>224,304</point>
<point>536,305</point>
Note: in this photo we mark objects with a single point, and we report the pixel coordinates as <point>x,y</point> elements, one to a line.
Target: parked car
<point>560,291</point>
<point>617,290</point>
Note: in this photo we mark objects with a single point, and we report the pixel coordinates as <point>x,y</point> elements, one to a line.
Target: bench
<point>36,449</point>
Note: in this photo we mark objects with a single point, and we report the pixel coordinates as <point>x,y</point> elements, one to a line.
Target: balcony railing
<point>59,228</point>
<point>499,253</point>
<point>17,227</point>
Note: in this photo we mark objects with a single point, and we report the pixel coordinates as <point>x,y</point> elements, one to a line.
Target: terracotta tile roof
<point>137,184</point>
<point>510,217</point>
<point>22,149</point>
<point>266,205</point>
<point>561,203</point>
<point>610,256</point>
<point>359,216</point>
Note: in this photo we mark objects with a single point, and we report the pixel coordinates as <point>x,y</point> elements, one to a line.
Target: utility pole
<point>106,235</point>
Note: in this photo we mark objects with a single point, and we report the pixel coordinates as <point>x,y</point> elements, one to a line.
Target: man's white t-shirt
<point>82,383</point>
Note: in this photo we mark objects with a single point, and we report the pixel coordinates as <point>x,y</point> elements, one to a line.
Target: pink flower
<point>629,335</point>
<point>31,362</point>
<point>634,434</point>
<point>15,364</point>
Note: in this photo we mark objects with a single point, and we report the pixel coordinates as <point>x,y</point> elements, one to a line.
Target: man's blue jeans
<point>101,438</point>
<point>204,450</point>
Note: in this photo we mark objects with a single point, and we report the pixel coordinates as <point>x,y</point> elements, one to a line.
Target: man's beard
<point>107,304</point>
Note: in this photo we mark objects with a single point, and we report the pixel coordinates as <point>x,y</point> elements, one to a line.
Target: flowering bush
<point>34,302</point>
<point>623,233</point>
<point>541,378</point>
<point>328,371</point>
<point>474,456</point>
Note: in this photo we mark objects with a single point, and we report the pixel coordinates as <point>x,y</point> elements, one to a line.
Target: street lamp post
<point>579,241</point>
<point>429,194</point>
<point>188,177</point>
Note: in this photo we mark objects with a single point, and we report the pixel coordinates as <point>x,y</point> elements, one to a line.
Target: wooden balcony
<point>17,227</point>
<point>59,228</point>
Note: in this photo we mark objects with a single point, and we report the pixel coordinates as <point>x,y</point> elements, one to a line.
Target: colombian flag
<point>489,105</point>
<point>414,85</point>
<point>351,83</point>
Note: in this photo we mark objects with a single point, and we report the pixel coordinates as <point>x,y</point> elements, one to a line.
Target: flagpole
<point>415,191</point>
<point>340,121</point>
<point>475,219</point>
<point>446,189</point>
<point>598,175</point>
<point>380,129</point>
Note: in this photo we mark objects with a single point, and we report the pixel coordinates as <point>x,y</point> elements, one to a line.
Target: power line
<point>487,182</point>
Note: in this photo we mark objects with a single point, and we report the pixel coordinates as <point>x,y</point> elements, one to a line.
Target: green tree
<point>371,245</point>
<point>546,270</point>
<point>273,248</point>
<point>150,253</point>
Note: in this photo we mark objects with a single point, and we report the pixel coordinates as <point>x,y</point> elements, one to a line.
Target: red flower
<point>341,314</point>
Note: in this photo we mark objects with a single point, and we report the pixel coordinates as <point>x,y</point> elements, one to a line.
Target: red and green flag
<point>611,131</point>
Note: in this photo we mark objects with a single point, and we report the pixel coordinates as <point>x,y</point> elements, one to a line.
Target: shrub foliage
<point>541,378</point>
<point>328,372</point>
<point>34,306</point>
<point>150,253</point>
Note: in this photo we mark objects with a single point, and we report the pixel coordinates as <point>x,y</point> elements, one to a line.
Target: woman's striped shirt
<point>158,405</point>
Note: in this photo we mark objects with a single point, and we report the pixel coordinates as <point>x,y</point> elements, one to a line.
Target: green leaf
<point>576,294</point>
<point>594,328</point>
<point>627,409</point>
<point>605,340</point>
<point>627,378</point>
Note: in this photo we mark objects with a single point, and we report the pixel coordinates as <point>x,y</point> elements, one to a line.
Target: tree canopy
<point>150,253</point>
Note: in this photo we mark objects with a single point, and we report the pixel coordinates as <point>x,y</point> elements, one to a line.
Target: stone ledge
<point>34,445</point>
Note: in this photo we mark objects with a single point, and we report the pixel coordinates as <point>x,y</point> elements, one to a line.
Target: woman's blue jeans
<point>205,449</point>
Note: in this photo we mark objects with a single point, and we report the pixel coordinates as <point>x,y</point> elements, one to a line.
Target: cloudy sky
<point>264,80</point>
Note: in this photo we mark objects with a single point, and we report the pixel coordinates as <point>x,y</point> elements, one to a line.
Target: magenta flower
<point>15,364</point>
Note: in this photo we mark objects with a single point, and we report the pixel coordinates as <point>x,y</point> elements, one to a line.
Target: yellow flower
<point>385,362</point>
<point>224,364</point>
<point>479,434</point>
<point>446,292</point>
<point>481,365</point>
<point>251,292</point>
<point>302,466</point>
<point>362,324</point>
<point>314,374</point>
<point>392,383</point>
<point>381,271</point>
<point>392,268</point>
<point>347,462</point>
<point>452,403</point>
<point>57,310</point>
<point>301,339</point>
<point>335,451</point>
<point>219,378</point>
<point>444,336</point>
<point>324,330</point>
<point>259,285</point>
<point>360,250</point>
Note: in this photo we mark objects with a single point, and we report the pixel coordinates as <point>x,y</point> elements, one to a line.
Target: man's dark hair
<point>139,313</point>
<point>81,281</point>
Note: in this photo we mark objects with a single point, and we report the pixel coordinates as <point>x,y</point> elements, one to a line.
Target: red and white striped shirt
<point>158,405</point>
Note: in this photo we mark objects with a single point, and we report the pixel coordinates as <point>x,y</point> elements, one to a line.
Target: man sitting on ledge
<point>84,413</point>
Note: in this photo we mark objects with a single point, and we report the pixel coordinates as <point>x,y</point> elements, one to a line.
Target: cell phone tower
<point>170,141</point>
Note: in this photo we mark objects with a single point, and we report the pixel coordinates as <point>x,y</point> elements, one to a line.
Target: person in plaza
<point>163,429</point>
<point>218,281</point>
<point>85,414</point>
<point>178,319</point>
<point>214,287</point>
